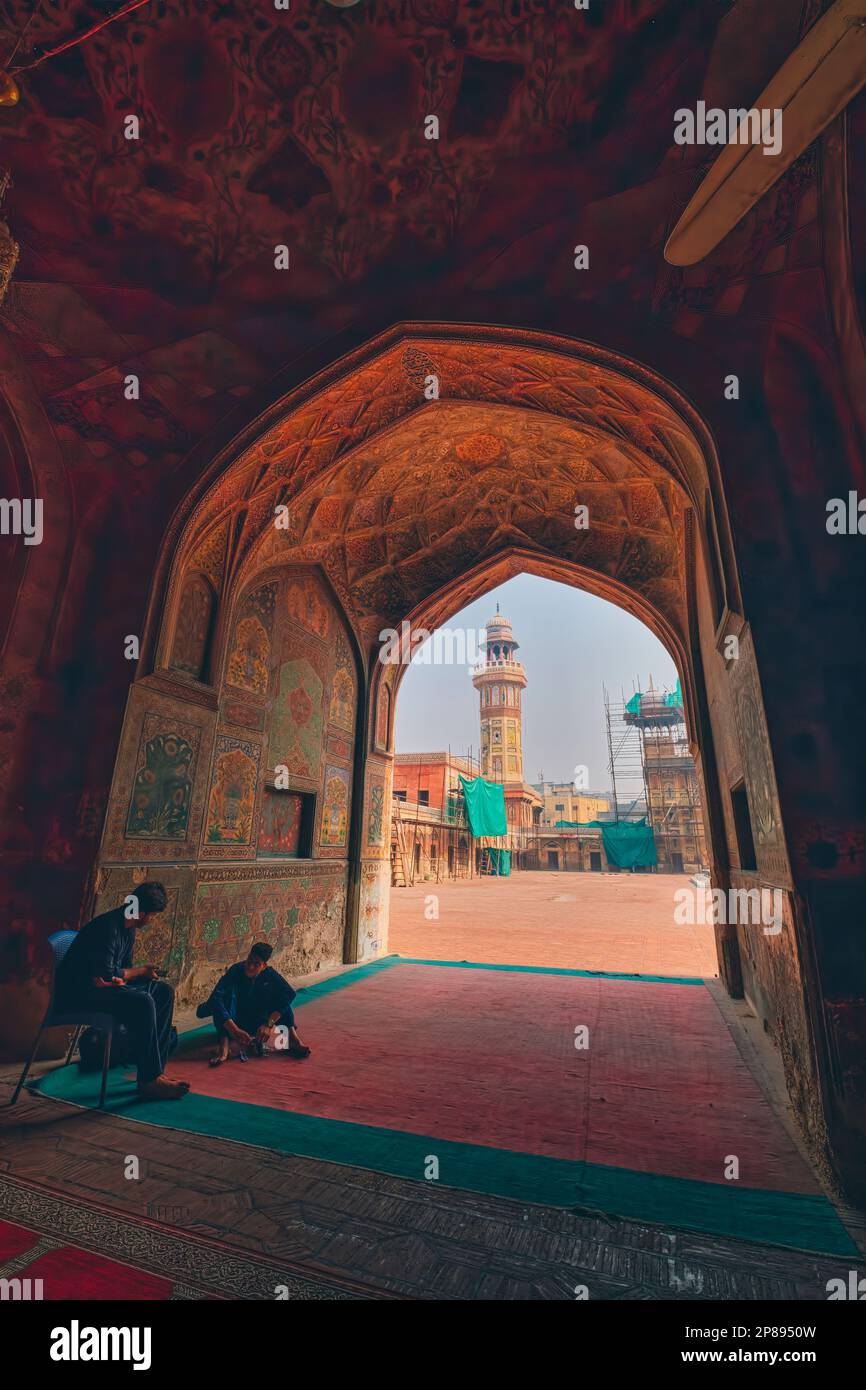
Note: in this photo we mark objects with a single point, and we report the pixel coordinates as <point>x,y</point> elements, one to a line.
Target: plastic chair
<point>60,941</point>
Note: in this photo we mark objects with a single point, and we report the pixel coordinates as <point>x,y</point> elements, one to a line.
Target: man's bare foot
<point>218,1058</point>
<point>298,1050</point>
<point>163,1089</point>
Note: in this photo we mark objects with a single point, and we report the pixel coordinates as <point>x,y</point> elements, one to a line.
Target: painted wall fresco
<point>383,716</point>
<point>296,720</point>
<point>156,806</point>
<point>377,821</point>
<point>334,828</point>
<point>233,792</point>
<point>193,627</point>
<point>299,909</point>
<point>340,746</point>
<point>162,790</point>
<point>289,677</point>
<point>280,831</point>
<point>247,716</point>
<point>248,663</point>
<point>373,913</point>
<point>342,707</point>
<point>307,604</point>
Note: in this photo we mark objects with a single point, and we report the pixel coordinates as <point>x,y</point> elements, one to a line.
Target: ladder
<point>399,870</point>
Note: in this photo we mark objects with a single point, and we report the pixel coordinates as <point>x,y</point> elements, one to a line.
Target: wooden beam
<point>822,75</point>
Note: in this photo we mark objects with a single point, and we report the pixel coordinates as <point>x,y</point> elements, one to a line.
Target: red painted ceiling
<point>260,127</point>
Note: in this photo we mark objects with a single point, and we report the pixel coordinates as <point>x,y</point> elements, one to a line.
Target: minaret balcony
<point>500,668</point>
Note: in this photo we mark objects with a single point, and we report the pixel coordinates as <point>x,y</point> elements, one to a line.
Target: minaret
<point>499,680</point>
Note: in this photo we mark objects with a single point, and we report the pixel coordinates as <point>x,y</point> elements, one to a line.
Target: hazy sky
<point>571,643</point>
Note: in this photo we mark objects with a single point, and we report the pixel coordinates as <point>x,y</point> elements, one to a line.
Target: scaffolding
<point>653,773</point>
<point>625,761</point>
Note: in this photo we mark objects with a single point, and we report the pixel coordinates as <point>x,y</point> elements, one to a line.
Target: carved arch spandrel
<point>616,402</point>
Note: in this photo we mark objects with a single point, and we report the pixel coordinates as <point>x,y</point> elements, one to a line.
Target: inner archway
<point>391,489</point>
<point>600,860</point>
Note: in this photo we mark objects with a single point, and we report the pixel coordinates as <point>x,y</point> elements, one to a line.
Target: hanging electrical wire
<point>9,89</point>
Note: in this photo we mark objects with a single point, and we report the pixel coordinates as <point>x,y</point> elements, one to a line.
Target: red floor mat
<point>488,1057</point>
<point>71,1273</point>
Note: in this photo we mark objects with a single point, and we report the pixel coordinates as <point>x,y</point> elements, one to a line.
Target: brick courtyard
<point>612,922</point>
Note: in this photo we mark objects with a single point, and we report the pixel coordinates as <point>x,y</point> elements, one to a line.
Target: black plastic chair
<point>60,941</point>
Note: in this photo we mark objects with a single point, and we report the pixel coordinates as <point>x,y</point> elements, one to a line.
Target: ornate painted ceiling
<point>396,496</point>
<point>458,484</point>
<point>261,127</point>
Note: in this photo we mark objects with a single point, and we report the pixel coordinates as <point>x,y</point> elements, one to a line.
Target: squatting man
<point>97,975</point>
<point>248,1005</point>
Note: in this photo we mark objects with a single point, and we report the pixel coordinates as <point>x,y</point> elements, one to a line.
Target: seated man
<point>248,1003</point>
<point>97,974</point>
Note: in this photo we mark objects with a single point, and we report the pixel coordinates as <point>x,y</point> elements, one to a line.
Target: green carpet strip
<point>778,1218</point>
<point>557,970</point>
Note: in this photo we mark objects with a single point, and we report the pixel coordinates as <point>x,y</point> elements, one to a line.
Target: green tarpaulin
<point>628,844</point>
<point>672,701</point>
<point>500,860</point>
<point>485,806</point>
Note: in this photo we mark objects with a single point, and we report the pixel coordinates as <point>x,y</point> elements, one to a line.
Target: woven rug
<point>622,1094</point>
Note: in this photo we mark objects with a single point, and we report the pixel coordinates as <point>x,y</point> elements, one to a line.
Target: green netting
<point>676,699</point>
<point>672,701</point>
<point>628,844</point>
<point>485,806</point>
<point>500,860</point>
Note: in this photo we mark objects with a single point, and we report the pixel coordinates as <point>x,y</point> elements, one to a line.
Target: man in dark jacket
<point>97,974</point>
<point>248,1004</point>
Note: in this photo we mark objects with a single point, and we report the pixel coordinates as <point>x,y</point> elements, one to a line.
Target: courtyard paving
<point>610,922</point>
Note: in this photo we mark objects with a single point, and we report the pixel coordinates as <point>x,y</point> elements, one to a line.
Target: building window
<point>424,797</point>
<point>743,827</point>
<point>400,795</point>
<point>559,807</point>
<point>286,830</point>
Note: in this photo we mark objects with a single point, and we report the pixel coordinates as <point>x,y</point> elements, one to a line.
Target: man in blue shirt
<point>97,974</point>
<point>248,1003</point>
